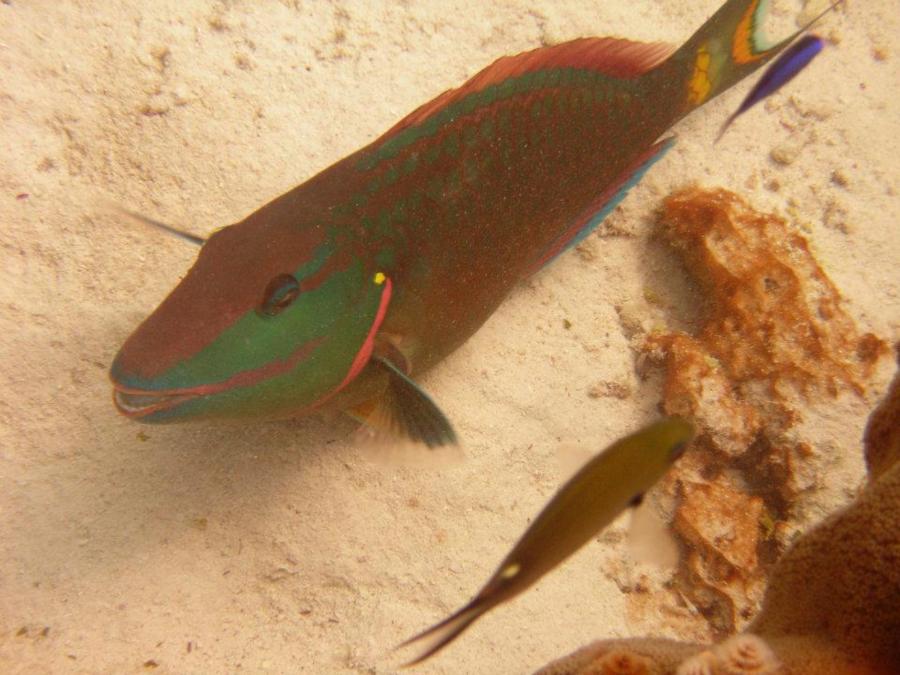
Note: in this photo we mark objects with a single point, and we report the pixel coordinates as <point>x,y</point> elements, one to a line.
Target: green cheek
<point>312,380</point>
<point>385,258</point>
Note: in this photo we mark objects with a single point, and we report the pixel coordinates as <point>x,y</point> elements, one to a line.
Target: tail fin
<point>445,632</point>
<point>728,47</point>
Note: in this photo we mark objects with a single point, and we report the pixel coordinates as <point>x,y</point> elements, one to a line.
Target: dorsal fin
<point>610,56</point>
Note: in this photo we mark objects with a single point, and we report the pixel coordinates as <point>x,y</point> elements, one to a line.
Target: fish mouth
<point>138,403</point>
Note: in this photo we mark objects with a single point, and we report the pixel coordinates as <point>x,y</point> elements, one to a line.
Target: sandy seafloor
<point>281,547</point>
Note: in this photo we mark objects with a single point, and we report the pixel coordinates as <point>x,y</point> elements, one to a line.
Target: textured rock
<point>772,337</point>
<point>720,571</point>
<point>841,582</point>
<point>882,439</point>
<point>832,605</point>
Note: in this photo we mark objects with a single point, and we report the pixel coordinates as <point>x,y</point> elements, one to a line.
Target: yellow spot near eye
<point>699,85</point>
<point>379,278</point>
<point>510,571</point>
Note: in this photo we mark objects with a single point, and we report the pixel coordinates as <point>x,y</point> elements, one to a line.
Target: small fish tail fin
<point>727,48</point>
<point>441,634</point>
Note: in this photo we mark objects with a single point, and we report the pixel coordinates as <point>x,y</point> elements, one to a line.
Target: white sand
<point>280,547</point>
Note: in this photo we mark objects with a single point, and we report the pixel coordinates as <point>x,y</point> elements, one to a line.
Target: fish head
<point>271,321</point>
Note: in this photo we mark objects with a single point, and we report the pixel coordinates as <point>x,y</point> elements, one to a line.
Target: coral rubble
<point>772,336</point>
<point>832,604</point>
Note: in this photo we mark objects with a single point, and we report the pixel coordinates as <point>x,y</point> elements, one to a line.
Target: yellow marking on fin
<point>510,571</point>
<point>699,85</point>
<point>379,278</point>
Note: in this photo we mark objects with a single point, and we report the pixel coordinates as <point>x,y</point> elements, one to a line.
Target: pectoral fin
<point>405,411</point>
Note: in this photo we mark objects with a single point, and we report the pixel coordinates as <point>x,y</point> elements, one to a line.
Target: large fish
<point>340,291</point>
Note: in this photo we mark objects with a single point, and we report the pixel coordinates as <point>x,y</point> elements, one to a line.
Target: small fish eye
<point>511,570</point>
<point>281,291</point>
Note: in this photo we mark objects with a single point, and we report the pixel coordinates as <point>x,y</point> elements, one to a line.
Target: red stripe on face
<point>365,351</point>
<point>244,378</point>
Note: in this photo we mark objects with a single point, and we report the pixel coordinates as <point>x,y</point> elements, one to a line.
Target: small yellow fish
<point>604,487</point>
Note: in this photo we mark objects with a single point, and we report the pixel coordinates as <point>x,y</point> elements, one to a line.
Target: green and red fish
<point>340,291</point>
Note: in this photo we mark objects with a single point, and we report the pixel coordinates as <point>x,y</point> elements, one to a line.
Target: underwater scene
<point>449,337</point>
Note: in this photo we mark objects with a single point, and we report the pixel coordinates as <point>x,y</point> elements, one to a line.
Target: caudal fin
<point>441,634</point>
<point>727,48</point>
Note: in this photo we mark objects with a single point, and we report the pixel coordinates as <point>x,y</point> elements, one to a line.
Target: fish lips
<point>136,400</point>
<point>142,404</point>
<point>133,397</point>
<point>136,397</point>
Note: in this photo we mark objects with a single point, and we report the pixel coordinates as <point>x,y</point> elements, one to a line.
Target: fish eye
<point>677,451</point>
<point>281,291</point>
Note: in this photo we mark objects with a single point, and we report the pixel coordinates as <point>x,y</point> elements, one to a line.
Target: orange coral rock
<point>773,317</point>
<point>773,324</point>
<point>698,387</point>
<point>771,333</point>
<point>833,602</point>
<point>721,527</point>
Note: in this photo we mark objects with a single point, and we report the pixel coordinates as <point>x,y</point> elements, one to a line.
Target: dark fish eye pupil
<point>678,451</point>
<point>279,294</point>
